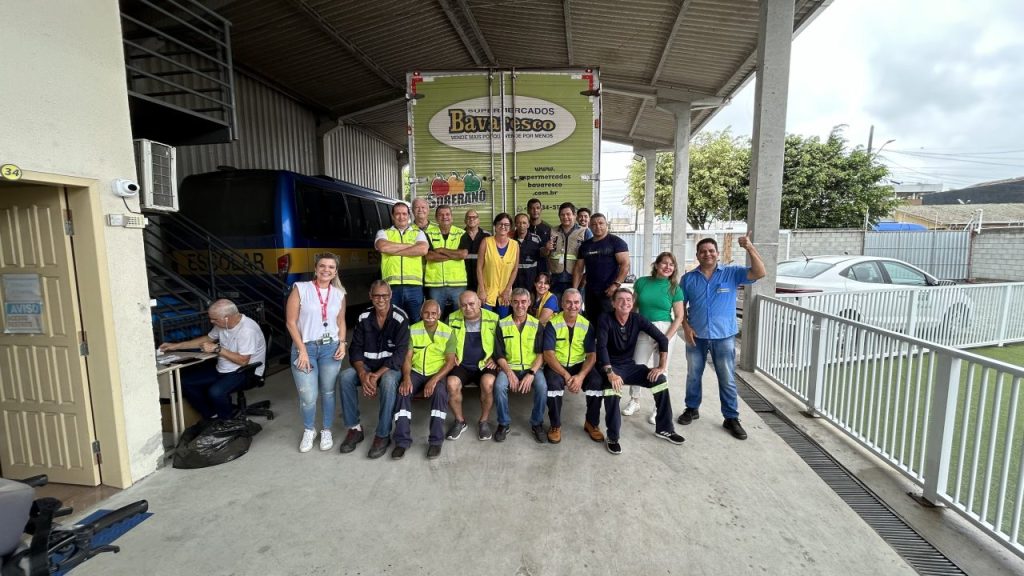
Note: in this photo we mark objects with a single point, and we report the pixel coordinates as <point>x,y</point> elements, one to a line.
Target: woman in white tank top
<point>315,316</point>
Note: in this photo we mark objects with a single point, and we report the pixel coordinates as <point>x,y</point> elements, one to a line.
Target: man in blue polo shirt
<point>711,291</point>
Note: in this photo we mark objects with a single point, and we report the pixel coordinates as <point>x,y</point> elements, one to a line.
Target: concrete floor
<point>715,505</point>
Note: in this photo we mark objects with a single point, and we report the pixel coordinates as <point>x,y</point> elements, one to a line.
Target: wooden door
<point>46,422</point>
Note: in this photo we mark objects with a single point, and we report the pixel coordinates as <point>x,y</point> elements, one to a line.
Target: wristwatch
<point>217,350</point>
<point>531,372</point>
<point>608,370</point>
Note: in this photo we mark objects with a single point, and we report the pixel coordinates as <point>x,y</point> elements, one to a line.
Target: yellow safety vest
<point>427,350</point>
<point>402,270</point>
<point>488,327</point>
<point>519,346</point>
<point>569,353</point>
<point>448,272</point>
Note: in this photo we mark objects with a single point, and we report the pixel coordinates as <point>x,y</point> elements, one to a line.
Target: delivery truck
<point>492,140</point>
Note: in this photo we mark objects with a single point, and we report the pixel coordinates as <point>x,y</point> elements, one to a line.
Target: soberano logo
<point>472,125</point>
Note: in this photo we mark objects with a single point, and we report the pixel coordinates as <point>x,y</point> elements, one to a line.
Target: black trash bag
<point>213,442</point>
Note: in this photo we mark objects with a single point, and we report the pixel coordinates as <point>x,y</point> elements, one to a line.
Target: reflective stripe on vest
<point>488,326</point>
<point>427,350</point>
<point>569,354</point>
<point>519,346</point>
<point>398,270</point>
<point>448,272</point>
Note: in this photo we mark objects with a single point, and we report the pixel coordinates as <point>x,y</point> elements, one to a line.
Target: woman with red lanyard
<point>315,315</point>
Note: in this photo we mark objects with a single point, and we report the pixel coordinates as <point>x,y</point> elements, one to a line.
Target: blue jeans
<point>409,298</point>
<point>723,355</point>
<point>498,309</point>
<point>322,378</point>
<point>209,391</point>
<point>539,389</point>
<point>447,297</point>
<point>387,390</point>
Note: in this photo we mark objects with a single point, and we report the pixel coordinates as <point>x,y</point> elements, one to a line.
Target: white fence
<point>945,418</point>
<point>962,315</point>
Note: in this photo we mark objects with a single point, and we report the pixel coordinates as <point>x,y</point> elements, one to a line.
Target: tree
<point>719,169</point>
<point>831,186</point>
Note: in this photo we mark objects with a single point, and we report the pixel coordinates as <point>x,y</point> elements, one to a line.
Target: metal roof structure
<point>348,58</point>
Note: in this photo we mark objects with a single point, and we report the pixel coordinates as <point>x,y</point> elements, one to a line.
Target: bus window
<point>385,214</point>
<point>356,218</point>
<point>322,214</point>
<point>370,213</point>
<point>236,206</point>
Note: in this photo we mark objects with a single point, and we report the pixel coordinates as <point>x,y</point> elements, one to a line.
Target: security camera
<point>125,188</point>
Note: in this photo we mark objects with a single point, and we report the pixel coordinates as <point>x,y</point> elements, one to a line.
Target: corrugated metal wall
<point>274,132</point>
<point>355,156</point>
<point>942,253</point>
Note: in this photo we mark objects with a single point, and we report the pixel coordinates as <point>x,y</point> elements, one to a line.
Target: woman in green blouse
<point>660,299</point>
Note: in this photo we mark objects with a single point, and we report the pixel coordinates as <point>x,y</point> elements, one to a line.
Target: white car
<point>946,310</point>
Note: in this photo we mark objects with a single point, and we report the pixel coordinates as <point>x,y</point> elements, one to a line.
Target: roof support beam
<point>623,138</point>
<point>468,14</point>
<point>385,104</point>
<point>461,19</point>
<point>662,93</point>
<point>745,72</point>
<point>457,26</point>
<point>669,41</point>
<point>665,51</point>
<point>636,119</point>
<point>567,21</point>
<point>329,29</point>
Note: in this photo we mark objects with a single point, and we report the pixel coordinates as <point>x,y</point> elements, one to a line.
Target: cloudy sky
<point>942,79</point>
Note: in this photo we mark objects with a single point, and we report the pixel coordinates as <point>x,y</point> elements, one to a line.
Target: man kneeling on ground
<point>616,338</point>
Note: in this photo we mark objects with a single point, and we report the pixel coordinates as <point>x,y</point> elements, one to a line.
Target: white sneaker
<point>307,440</point>
<point>654,417</point>
<point>326,440</point>
<point>631,407</point>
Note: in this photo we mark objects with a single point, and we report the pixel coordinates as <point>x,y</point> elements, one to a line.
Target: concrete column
<point>768,149</point>
<point>680,174</point>
<point>651,158</point>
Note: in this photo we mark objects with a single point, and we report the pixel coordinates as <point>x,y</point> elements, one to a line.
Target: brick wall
<point>998,254</point>
<point>821,242</point>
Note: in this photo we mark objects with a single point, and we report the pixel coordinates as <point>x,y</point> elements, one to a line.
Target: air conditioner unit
<point>157,174</point>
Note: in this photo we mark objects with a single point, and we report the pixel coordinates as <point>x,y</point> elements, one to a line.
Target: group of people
<point>527,309</point>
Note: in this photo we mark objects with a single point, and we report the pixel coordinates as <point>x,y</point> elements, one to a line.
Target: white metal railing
<point>961,315</point>
<point>945,418</point>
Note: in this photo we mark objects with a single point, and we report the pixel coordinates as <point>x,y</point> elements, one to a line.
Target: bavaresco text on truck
<point>492,140</point>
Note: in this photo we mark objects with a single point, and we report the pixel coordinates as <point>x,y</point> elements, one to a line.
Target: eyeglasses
<point>503,225</point>
<point>380,296</point>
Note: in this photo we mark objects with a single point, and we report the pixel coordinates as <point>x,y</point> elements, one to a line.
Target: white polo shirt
<point>245,338</point>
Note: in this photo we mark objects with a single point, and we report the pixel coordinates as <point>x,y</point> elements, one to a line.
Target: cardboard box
<point>191,416</point>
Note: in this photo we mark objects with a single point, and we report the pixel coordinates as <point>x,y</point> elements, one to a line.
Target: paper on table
<point>167,358</point>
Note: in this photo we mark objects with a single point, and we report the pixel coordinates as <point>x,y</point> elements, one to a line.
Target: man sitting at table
<point>237,341</point>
